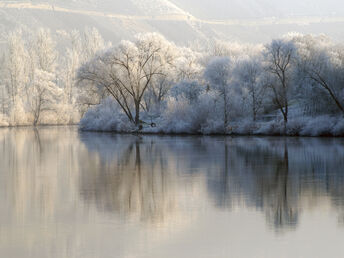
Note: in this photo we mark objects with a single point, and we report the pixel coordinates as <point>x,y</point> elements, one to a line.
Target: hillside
<point>249,9</point>
<point>114,19</point>
<point>178,20</point>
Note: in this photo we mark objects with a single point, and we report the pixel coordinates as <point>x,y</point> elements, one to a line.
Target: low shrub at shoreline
<point>107,118</point>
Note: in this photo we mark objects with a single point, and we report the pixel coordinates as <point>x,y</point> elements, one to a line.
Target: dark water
<point>70,194</point>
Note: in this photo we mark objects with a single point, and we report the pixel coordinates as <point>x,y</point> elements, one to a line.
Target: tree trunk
<point>225,122</point>
<point>137,113</point>
<point>254,110</point>
<point>285,116</point>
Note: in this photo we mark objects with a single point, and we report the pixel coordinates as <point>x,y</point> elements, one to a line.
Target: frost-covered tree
<point>43,91</point>
<point>189,90</point>
<point>16,60</point>
<point>45,50</point>
<point>15,63</point>
<point>248,76</point>
<point>218,74</point>
<point>185,68</point>
<point>157,92</point>
<point>82,47</point>
<point>91,43</point>
<point>47,77</point>
<point>188,65</point>
<point>43,95</point>
<point>3,94</point>
<point>71,62</point>
<point>321,64</point>
<point>127,70</point>
<point>279,56</point>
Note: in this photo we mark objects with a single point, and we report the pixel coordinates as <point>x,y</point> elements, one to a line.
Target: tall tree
<point>248,75</point>
<point>44,91</point>
<point>127,70</point>
<point>321,63</point>
<point>218,74</point>
<point>16,61</point>
<point>279,56</point>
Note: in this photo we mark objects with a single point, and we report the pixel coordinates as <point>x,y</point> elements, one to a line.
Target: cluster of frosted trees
<point>38,75</point>
<point>293,85</point>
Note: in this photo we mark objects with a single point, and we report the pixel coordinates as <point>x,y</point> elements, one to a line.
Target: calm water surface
<point>69,194</point>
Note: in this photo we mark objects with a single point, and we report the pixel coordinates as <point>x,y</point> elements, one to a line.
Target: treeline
<point>293,85</point>
<point>38,75</point>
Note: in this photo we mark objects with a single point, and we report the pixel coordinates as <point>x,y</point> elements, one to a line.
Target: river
<point>65,193</point>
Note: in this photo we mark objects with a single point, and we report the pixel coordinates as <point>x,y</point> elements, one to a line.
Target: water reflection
<point>66,193</point>
<point>134,181</point>
<point>293,174</point>
<point>275,192</point>
<point>279,176</point>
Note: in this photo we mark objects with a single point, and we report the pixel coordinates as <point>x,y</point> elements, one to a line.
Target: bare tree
<point>43,95</point>
<point>322,70</point>
<point>82,47</point>
<point>279,56</point>
<point>127,70</point>
<point>248,74</point>
<point>16,60</point>
<point>42,91</point>
<point>157,91</point>
<point>218,73</point>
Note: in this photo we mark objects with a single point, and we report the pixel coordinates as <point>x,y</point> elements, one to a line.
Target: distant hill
<point>115,19</point>
<point>246,9</point>
<point>181,21</point>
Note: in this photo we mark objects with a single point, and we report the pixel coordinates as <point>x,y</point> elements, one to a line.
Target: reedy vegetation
<point>287,86</point>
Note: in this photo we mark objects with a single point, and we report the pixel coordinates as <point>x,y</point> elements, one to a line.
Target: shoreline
<point>201,134</point>
<point>182,134</point>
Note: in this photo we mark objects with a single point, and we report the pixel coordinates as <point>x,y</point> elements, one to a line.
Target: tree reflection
<point>287,173</point>
<point>277,192</point>
<point>60,188</point>
<point>137,182</point>
<point>137,175</point>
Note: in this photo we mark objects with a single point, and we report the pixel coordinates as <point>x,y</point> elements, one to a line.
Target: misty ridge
<point>146,82</point>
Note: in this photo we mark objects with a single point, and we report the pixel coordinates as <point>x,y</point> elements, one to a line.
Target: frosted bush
<point>201,116</point>
<point>3,120</point>
<point>244,127</point>
<point>275,127</point>
<point>318,126</point>
<point>66,114</point>
<point>205,116</point>
<point>212,126</point>
<point>295,126</point>
<point>19,116</point>
<point>338,129</point>
<point>106,117</point>
<point>176,118</point>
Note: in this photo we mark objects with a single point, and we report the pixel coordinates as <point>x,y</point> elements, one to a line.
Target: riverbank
<point>321,126</point>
